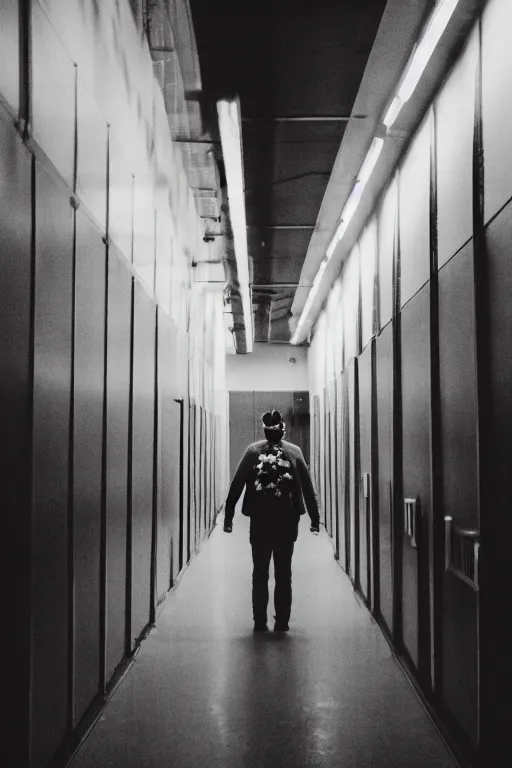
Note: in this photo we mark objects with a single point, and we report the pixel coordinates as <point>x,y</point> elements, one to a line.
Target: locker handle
<point>411,521</point>
<point>366,485</point>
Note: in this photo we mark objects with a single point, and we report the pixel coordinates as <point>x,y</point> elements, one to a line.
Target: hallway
<point>204,691</point>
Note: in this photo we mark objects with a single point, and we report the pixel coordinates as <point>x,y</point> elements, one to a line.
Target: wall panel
<point>327,461</point>
<point>300,431</point>
<point>460,478</point>
<point>144,230</point>
<point>121,189</point>
<point>497,461</point>
<point>344,510</point>
<point>458,388</point>
<point>168,461</point>
<point>15,417</point>
<point>365,469</point>
<point>9,53</point>
<point>87,456</point>
<point>142,456</point>
<point>53,83</point>
<point>416,471</point>
<point>384,373</point>
<point>368,249</point>
<point>117,419</point>
<point>241,424</point>
<point>333,462</point>
<point>51,432</point>
<point>350,304</point>
<point>200,437</point>
<point>414,193</point>
<point>496,104</point>
<point>192,499</point>
<point>387,220</point>
<point>91,181</point>
<point>353,470</point>
<point>340,479</point>
<point>455,116</point>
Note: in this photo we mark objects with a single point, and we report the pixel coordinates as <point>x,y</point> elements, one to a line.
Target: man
<point>277,481</point>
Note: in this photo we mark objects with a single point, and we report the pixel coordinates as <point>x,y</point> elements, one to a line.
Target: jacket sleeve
<point>237,485</point>
<point>308,490</point>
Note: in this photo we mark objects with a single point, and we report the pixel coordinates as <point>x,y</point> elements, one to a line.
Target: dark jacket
<point>272,518</point>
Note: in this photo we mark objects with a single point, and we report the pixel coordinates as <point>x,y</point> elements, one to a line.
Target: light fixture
<point>356,194</point>
<point>228,111</point>
<point>437,23</point>
<point>422,53</point>
<point>349,210</point>
<point>393,112</point>
<point>309,302</point>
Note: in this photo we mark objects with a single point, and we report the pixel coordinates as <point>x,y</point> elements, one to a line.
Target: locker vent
<point>462,548</point>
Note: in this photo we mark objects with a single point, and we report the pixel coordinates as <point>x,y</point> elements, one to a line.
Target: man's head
<point>273,426</point>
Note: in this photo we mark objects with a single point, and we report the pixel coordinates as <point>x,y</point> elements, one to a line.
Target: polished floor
<point>206,692</point>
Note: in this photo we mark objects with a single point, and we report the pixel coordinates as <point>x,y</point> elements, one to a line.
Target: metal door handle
<point>410,520</point>
<point>366,485</point>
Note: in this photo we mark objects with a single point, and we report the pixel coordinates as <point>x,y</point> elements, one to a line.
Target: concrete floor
<point>205,692</point>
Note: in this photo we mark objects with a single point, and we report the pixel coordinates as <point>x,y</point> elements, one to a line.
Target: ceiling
<point>297,68</point>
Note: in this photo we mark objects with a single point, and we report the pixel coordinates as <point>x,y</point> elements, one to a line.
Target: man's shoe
<point>260,628</point>
<point>281,628</point>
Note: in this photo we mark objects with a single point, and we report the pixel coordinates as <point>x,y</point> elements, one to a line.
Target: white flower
<point>261,457</point>
<point>287,476</point>
<point>272,459</point>
<point>278,492</point>
<point>271,485</point>
<point>258,486</point>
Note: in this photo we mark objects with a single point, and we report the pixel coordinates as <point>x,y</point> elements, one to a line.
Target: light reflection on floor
<point>206,692</point>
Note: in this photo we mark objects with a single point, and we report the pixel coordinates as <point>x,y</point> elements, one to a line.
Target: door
<point>415,505</point>
<point>365,470</point>
<point>384,430</point>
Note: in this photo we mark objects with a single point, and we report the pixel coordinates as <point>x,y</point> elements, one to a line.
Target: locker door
<point>191,506</point>
<point>365,469</point>
<point>384,379</point>
<point>340,474</point>
<point>416,506</point>
<point>117,455</point>
<point>333,462</point>
<point>459,484</point>
<point>301,428</point>
<point>315,458</point>
<point>353,473</point>
<point>143,393</point>
<point>178,417</point>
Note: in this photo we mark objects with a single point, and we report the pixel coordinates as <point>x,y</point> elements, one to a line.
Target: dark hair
<point>273,426</point>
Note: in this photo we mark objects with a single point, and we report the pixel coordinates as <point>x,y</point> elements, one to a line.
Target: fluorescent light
<point>309,301</point>
<point>347,215</point>
<point>230,135</point>
<point>356,194</point>
<point>430,37</point>
<point>393,112</point>
<point>370,161</point>
<point>438,22</point>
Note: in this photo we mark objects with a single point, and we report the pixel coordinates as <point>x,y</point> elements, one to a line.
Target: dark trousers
<point>261,554</point>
